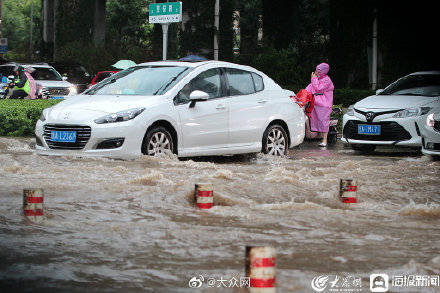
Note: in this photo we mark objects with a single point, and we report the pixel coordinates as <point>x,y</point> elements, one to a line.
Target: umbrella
<point>193,58</point>
<point>124,64</point>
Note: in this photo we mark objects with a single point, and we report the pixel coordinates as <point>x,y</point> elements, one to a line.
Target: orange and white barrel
<point>33,204</point>
<point>204,195</point>
<point>347,191</point>
<point>260,268</point>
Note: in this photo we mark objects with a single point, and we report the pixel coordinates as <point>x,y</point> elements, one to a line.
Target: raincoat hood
<point>322,69</point>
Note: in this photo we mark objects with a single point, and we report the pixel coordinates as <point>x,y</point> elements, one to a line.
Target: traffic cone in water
<point>33,205</point>
<point>204,195</point>
<point>260,269</point>
<point>347,191</point>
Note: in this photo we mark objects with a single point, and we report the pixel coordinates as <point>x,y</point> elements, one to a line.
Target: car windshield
<point>140,80</point>
<point>43,73</point>
<point>415,85</point>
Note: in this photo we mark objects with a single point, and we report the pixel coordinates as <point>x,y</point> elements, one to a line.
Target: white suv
<point>51,83</point>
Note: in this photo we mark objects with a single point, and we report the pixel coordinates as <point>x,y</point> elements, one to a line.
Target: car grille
<point>56,91</point>
<point>437,125</point>
<point>82,136</point>
<point>389,131</point>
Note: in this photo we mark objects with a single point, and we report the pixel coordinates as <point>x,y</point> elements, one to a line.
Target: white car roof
<point>28,65</point>
<point>426,72</point>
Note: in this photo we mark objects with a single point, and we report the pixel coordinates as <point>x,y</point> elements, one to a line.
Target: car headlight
<point>412,112</point>
<point>43,115</point>
<point>120,116</point>
<point>350,111</point>
<point>73,90</point>
<point>430,120</point>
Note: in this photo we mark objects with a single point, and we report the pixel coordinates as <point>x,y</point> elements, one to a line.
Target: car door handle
<point>262,102</point>
<point>220,107</point>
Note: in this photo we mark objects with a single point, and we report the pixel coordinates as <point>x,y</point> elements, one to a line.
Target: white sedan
<point>391,117</point>
<point>430,129</point>
<point>188,108</point>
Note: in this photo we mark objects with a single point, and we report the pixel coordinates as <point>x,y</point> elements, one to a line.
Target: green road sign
<point>165,12</point>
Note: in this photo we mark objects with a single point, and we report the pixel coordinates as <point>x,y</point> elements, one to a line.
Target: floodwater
<point>130,226</point>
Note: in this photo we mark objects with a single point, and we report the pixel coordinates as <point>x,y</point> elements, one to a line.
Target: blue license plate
<point>369,129</point>
<point>56,98</point>
<point>63,136</point>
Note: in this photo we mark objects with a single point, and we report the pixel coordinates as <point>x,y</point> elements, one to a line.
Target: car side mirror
<point>379,91</point>
<point>64,78</point>
<point>197,96</point>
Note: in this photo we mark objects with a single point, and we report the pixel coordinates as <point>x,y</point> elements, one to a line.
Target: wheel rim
<point>276,142</point>
<point>158,144</point>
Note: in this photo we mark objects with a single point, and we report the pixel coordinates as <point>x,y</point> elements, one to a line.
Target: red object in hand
<point>305,100</point>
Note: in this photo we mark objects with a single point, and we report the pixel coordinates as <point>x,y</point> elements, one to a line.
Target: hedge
<point>344,97</point>
<point>18,117</point>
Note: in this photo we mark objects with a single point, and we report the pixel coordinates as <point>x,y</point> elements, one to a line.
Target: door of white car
<point>247,108</point>
<point>206,125</point>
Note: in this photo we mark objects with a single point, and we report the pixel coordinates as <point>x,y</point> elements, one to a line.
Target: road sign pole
<point>164,40</point>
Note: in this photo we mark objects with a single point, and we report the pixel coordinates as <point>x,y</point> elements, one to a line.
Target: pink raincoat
<point>322,87</point>
<point>32,85</point>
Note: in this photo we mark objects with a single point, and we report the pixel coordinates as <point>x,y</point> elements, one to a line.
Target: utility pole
<point>32,20</point>
<point>374,63</point>
<point>216,25</point>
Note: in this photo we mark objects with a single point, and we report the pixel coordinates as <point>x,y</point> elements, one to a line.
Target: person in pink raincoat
<point>321,86</point>
<point>32,83</point>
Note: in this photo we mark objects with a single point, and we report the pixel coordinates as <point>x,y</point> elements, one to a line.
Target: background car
<point>50,82</point>
<point>190,109</point>
<point>430,130</point>
<point>391,116</point>
<point>100,76</point>
<point>75,73</point>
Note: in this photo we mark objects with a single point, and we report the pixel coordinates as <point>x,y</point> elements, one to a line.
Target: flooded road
<point>130,226</point>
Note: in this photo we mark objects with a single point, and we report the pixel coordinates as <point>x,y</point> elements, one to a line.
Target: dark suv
<point>75,74</point>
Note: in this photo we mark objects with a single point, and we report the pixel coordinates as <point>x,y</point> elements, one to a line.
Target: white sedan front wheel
<point>158,141</point>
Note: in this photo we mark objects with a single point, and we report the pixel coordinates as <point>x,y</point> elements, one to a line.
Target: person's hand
<point>312,75</point>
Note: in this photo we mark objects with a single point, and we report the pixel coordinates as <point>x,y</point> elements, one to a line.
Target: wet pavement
<point>130,226</point>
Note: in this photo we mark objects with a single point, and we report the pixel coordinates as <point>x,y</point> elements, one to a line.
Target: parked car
<point>391,116</point>
<point>50,82</point>
<point>188,108</point>
<point>101,76</point>
<point>75,73</point>
<point>430,130</point>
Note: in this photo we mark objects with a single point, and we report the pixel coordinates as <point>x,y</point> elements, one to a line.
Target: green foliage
<point>18,117</point>
<point>16,26</point>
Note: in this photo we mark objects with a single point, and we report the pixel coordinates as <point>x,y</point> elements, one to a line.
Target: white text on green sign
<point>165,12</point>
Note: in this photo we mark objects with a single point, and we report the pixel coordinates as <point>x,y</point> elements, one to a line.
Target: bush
<point>344,97</point>
<point>18,117</point>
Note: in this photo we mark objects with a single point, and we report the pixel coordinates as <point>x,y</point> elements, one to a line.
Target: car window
<point>415,85</point>
<point>140,80</point>
<point>208,81</point>
<point>258,81</point>
<point>6,70</point>
<point>43,73</point>
<point>240,82</point>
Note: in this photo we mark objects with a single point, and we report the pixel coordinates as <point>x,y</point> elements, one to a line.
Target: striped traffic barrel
<point>204,195</point>
<point>347,191</point>
<point>33,204</point>
<point>260,268</point>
